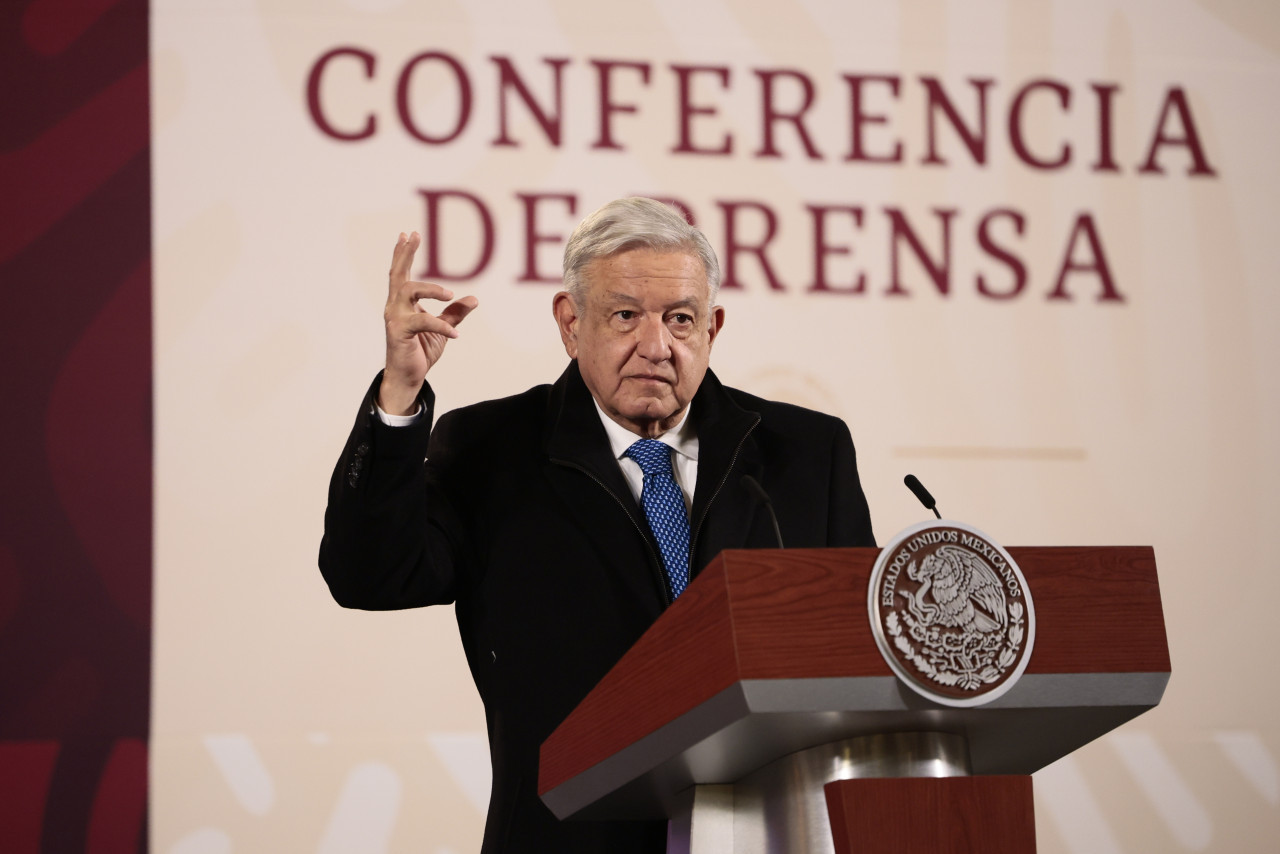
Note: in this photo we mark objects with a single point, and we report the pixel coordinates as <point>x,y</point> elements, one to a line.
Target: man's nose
<point>653,340</point>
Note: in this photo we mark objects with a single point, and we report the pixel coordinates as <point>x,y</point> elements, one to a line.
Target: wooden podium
<point>757,713</point>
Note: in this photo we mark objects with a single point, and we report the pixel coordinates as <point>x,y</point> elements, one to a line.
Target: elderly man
<point>562,521</point>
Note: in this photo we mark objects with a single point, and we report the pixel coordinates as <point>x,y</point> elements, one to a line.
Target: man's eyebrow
<point>619,297</point>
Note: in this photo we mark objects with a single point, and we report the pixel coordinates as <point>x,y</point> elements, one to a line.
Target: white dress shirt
<point>684,462</point>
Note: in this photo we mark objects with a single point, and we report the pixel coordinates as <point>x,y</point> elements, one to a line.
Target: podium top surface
<point>771,651</point>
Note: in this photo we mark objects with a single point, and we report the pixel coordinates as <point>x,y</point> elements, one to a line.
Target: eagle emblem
<point>951,613</point>
<point>962,589</point>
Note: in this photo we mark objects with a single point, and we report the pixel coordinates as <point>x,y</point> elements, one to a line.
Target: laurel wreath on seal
<point>936,664</point>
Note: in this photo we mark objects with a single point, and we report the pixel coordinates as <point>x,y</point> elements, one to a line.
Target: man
<point>536,514</point>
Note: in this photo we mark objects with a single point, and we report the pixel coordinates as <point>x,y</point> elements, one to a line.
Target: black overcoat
<point>521,516</point>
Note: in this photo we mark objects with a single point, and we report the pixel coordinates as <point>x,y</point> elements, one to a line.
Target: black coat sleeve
<point>849,520</point>
<point>389,541</point>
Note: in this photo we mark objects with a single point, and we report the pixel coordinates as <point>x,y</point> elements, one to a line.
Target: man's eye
<point>682,319</point>
<point>626,314</point>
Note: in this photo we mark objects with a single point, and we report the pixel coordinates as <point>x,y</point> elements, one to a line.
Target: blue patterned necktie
<point>663,504</point>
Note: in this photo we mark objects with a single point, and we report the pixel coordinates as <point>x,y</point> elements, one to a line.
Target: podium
<point>757,713</point>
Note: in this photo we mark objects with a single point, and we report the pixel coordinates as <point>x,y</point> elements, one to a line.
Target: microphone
<point>750,484</point>
<point>913,483</point>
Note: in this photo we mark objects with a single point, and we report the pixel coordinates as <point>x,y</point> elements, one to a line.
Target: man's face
<point>643,337</point>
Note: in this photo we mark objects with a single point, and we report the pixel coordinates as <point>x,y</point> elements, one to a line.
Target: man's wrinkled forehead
<point>612,298</point>
<point>602,287</point>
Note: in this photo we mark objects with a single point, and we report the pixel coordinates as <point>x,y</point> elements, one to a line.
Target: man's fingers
<point>402,260</point>
<point>444,323</point>
<point>456,312</point>
<point>415,336</point>
<point>414,291</point>
<point>421,322</point>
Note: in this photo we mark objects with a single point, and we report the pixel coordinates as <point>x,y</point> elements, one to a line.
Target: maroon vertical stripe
<point>75,343</point>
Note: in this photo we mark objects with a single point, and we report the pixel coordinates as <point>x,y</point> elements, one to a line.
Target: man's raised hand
<point>415,336</point>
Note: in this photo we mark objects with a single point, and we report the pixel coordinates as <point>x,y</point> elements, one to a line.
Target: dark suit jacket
<point>521,516</point>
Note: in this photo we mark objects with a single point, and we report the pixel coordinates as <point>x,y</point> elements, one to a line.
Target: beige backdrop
<point>284,723</point>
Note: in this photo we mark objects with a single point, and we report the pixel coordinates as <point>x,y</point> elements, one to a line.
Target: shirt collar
<point>683,438</point>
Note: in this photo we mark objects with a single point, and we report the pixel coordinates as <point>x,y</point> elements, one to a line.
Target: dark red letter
<point>434,269</point>
<point>1176,100</point>
<point>770,114</point>
<point>313,94</point>
<point>821,249</point>
<point>464,98</point>
<point>1097,263</point>
<point>940,272</point>
<point>1000,254</point>
<point>688,110</point>
<point>1106,162</point>
<point>974,140</point>
<point>858,118</point>
<point>531,236</point>
<point>1015,125</point>
<point>732,247</point>
<point>507,78</point>
<point>607,106</point>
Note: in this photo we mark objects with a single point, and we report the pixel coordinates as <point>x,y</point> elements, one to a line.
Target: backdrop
<point>1026,250</point>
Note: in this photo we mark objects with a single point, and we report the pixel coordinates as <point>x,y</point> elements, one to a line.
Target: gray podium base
<point>781,808</point>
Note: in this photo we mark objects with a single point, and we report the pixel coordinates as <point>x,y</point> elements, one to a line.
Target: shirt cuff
<point>398,420</point>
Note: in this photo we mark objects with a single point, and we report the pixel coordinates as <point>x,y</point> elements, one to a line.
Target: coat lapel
<point>722,509</point>
<point>582,470</point>
<point>575,436</point>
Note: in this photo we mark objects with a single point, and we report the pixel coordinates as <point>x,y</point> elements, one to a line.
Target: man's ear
<point>717,321</point>
<point>566,314</point>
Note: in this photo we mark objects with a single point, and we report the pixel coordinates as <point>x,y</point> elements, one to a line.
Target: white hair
<point>634,223</point>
